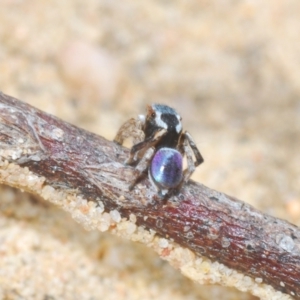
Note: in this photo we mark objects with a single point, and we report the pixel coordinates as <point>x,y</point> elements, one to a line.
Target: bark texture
<point>207,222</point>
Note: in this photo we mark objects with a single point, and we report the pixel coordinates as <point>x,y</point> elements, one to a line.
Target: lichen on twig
<point>211,237</point>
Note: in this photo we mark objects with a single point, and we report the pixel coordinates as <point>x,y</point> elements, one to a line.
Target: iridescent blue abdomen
<point>166,168</point>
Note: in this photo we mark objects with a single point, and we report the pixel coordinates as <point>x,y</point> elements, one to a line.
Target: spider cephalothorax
<point>162,117</point>
<point>159,146</point>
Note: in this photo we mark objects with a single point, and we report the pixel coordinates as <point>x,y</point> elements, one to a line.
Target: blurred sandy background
<point>231,68</point>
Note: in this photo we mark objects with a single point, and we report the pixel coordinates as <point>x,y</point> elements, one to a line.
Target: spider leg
<point>147,143</point>
<point>148,148</point>
<point>196,152</point>
<point>142,166</point>
<point>144,145</point>
<point>131,128</point>
<point>190,149</point>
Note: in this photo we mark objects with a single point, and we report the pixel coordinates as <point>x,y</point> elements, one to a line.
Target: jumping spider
<point>159,146</point>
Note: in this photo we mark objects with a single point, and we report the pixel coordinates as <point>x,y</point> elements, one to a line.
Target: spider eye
<point>153,115</point>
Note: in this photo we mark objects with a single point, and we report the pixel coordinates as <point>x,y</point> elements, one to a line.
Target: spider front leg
<point>189,148</point>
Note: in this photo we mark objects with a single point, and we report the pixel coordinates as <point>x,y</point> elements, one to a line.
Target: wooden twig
<point>209,223</point>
